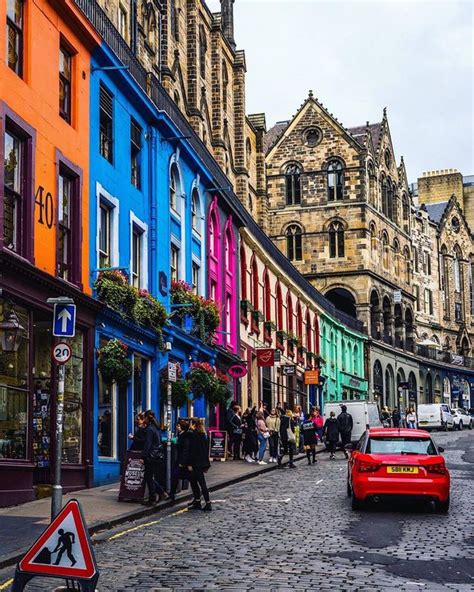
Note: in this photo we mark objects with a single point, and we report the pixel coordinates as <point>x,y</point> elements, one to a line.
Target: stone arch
<point>377,381</point>
<point>429,388</point>
<point>343,299</point>
<point>412,388</point>
<point>387,320</point>
<point>375,314</point>
<point>389,398</point>
<point>438,395</point>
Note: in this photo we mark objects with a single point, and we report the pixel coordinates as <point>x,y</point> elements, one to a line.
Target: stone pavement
<point>294,531</point>
<point>21,525</point>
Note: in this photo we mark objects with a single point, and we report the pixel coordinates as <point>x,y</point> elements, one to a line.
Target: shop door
<point>123,427</point>
<point>267,387</point>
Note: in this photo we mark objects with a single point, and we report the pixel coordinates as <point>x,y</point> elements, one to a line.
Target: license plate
<point>412,470</point>
<point>422,422</point>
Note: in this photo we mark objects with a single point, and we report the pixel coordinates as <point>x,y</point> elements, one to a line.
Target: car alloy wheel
<point>442,507</point>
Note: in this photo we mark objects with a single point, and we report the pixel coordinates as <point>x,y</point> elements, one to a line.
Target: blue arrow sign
<point>64,322</point>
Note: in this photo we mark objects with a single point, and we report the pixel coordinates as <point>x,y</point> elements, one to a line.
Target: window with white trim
<point>195,279</point>
<point>135,271</point>
<point>174,263</point>
<point>105,244</point>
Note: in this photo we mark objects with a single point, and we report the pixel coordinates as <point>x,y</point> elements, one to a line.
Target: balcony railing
<point>439,355</point>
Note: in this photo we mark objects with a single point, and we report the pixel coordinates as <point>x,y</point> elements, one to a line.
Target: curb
<point>137,514</point>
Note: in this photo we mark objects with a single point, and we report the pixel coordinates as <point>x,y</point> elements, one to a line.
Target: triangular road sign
<point>64,549</point>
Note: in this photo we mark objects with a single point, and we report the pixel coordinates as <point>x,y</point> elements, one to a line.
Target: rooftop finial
<point>310,94</point>
<point>385,111</point>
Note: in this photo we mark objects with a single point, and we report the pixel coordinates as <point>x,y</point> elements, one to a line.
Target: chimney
<point>227,11</point>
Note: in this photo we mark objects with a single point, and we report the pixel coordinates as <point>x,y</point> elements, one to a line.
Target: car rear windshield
<point>400,445</point>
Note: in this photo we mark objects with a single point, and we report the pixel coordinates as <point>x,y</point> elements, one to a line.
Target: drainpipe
<point>151,138</point>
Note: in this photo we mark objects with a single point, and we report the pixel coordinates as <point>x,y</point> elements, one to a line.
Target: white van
<point>435,416</point>
<point>364,413</point>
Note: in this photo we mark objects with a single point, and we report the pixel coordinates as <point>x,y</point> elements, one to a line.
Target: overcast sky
<point>414,57</point>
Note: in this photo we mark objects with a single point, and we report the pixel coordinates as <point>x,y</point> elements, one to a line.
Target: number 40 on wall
<point>45,206</point>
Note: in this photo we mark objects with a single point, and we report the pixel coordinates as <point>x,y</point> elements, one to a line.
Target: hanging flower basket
<point>205,312</point>
<point>180,389</point>
<point>269,326</point>
<point>202,377</point>
<point>246,306</point>
<point>114,290</point>
<point>281,335</point>
<point>113,364</point>
<point>292,339</point>
<point>257,316</point>
<point>148,311</point>
<point>221,392</point>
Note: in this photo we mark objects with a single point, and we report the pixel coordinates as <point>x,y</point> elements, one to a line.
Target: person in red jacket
<point>318,422</point>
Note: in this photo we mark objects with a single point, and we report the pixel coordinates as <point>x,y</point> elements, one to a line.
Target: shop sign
<point>217,445</point>
<point>237,371</point>
<point>132,485</point>
<point>311,377</point>
<point>457,360</point>
<point>289,370</point>
<point>397,297</point>
<point>172,371</point>
<point>353,382</point>
<point>265,357</point>
<point>63,551</point>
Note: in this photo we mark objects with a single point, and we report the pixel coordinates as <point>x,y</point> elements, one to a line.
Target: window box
<point>257,316</point>
<point>269,326</point>
<point>204,312</point>
<point>245,307</point>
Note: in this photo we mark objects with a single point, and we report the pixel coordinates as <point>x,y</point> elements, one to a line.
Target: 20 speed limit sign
<point>61,353</point>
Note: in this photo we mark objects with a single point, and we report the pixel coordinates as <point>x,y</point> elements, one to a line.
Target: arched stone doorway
<point>428,388</point>
<point>389,387</point>
<point>343,300</point>
<point>412,389</point>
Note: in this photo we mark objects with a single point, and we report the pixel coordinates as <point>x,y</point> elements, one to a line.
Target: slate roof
<point>436,210</point>
<point>257,120</point>
<point>271,137</point>
<point>374,128</point>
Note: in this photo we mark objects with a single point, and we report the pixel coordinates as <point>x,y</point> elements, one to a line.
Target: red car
<point>390,463</point>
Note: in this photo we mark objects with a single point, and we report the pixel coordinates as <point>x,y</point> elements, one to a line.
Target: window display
<point>105,428</point>
<point>72,437</point>
<point>14,393</point>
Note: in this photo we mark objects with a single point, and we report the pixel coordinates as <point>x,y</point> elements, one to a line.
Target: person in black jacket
<point>138,438</point>
<point>287,438</point>
<point>150,456</point>
<point>196,458</point>
<point>180,469</point>
<point>345,424</point>
<point>237,431</point>
<point>331,431</point>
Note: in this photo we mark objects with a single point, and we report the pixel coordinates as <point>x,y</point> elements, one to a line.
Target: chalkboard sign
<point>132,484</point>
<point>217,445</point>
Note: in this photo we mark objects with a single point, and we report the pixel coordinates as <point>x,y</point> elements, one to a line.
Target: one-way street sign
<point>64,322</point>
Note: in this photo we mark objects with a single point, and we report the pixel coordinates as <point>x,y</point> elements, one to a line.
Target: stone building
<point>193,53</point>
<point>339,207</point>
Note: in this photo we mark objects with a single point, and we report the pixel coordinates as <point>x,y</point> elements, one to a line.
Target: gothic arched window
<point>294,248</point>
<point>457,269</point>
<point>384,193</point>
<point>372,184</point>
<point>335,180</point>
<point>195,210</point>
<point>336,240</point>
<point>385,251</point>
<point>293,184</point>
<point>174,188</point>
<point>202,51</point>
<point>406,213</point>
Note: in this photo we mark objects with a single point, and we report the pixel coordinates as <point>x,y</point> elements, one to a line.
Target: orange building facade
<point>45,50</point>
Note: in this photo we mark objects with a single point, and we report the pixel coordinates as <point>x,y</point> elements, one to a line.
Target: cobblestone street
<point>294,530</point>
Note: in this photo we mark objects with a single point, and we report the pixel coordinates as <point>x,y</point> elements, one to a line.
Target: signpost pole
<point>56,499</point>
<point>168,439</point>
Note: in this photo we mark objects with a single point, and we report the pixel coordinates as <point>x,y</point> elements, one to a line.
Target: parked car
<point>435,415</point>
<point>393,463</point>
<point>462,419</point>
<point>364,413</point>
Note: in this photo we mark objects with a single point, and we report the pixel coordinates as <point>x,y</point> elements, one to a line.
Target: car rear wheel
<point>470,425</point>
<point>357,504</point>
<point>444,426</point>
<point>442,507</point>
<point>460,427</point>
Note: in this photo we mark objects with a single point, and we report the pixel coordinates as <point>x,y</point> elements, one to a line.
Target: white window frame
<point>113,406</point>
<point>175,245</point>
<point>143,228</point>
<point>122,10</point>
<point>104,197</point>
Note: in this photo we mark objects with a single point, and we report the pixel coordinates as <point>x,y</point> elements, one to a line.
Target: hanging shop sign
<point>265,357</point>
<point>311,377</point>
<point>289,370</point>
<point>237,371</point>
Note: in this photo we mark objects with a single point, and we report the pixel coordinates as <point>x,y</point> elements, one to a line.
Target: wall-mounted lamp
<point>11,332</point>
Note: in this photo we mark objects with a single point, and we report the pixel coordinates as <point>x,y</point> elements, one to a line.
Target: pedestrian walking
<point>230,428</point>
<point>152,453</point>
<point>299,417</point>
<point>345,425</point>
<point>138,437</point>
<point>250,435</point>
<point>237,431</point>
<point>310,439</point>
<point>396,417</point>
<point>331,433</point>
<point>273,424</point>
<point>411,418</point>
<point>263,433</point>
<point>288,439</point>
<point>385,417</point>
<point>318,421</point>
<point>180,469</point>
<point>196,458</point>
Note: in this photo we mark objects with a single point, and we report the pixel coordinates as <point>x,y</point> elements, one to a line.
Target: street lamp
<point>11,333</point>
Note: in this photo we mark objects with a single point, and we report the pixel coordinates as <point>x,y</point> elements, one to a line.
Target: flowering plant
<point>180,389</point>
<point>149,311</point>
<point>205,312</point>
<point>206,380</point>
<point>114,289</point>
<point>113,364</point>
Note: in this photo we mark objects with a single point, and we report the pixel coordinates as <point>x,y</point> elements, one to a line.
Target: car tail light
<point>368,467</point>
<point>439,468</point>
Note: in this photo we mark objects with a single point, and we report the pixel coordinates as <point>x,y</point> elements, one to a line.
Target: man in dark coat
<point>331,432</point>
<point>345,424</point>
<point>287,438</point>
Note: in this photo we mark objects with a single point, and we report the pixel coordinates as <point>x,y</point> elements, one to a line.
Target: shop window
<point>140,384</point>
<point>107,418</point>
<point>14,392</point>
<point>135,152</point>
<point>15,36</point>
<point>69,225</point>
<point>73,402</point>
<point>106,123</point>
<point>65,82</point>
